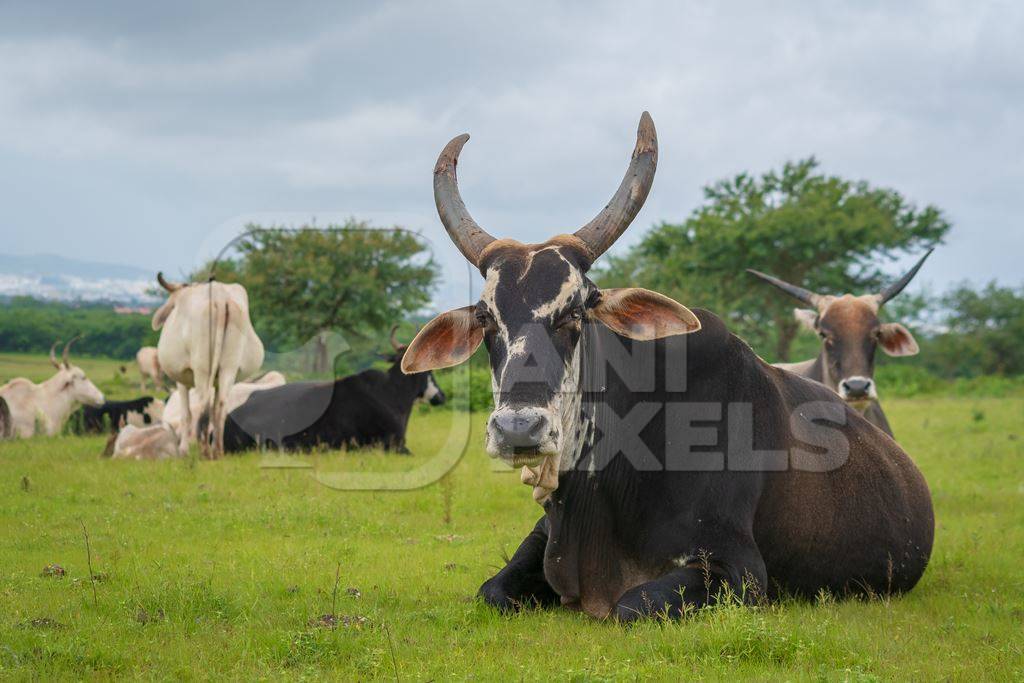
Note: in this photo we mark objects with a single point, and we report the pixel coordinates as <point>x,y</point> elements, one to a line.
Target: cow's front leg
<point>521,582</point>
<point>700,580</point>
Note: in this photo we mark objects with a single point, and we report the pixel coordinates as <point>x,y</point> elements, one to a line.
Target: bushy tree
<point>30,325</point>
<point>983,333</point>
<point>350,279</point>
<point>820,231</point>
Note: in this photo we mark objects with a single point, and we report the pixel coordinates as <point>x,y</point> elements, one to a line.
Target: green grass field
<point>223,570</point>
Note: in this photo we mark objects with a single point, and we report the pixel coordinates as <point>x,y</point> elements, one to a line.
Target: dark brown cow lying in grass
<point>671,462</point>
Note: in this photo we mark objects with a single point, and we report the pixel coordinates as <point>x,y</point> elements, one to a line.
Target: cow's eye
<point>483,318</point>
<point>571,317</point>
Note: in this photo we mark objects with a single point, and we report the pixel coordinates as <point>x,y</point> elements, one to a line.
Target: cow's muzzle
<point>521,436</point>
<point>857,389</point>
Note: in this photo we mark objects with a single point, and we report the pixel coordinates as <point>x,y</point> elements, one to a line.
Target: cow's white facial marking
<point>570,287</point>
<point>432,389</point>
<point>516,348</point>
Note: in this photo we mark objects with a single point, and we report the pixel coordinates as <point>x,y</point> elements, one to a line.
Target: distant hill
<point>58,278</point>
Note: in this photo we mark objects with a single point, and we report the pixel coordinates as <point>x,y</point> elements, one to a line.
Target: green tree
<point>982,333</point>
<point>30,325</point>
<point>820,231</point>
<point>350,278</point>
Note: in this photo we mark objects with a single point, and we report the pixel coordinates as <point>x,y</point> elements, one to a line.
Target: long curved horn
<point>53,354</point>
<point>606,227</point>
<point>898,286</point>
<point>165,284</point>
<point>394,344</point>
<point>805,295</point>
<point>468,236</point>
<point>67,348</point>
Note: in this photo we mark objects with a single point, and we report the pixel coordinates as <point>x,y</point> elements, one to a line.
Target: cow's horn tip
<point>646,135</point>
<point>450,153</point>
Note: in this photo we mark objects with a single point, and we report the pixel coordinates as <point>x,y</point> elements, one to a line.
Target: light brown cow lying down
<point>155,442</point>
<point>160,441</point>
<point>238,395</point>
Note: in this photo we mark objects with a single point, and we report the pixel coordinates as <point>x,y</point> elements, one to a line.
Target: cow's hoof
<point>495,595</point>
<point>643,603</point>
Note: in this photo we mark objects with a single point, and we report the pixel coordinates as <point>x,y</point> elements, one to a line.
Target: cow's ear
<point>160,317</point>
<point>896,340</point>
<point>642,314</point>
<point>807,317</point>
<point>447,340</point>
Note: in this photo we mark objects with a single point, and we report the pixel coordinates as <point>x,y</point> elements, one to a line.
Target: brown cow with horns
<point>850,334</point>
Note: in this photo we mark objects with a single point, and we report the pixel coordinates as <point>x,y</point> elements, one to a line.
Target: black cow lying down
<point>113,414</point>
<point>672,463</point>
<point>370,408</point>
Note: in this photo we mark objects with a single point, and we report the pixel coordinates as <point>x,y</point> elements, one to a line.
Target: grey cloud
<point>189,115</point>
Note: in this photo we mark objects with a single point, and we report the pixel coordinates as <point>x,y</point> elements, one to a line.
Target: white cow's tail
<point>219,319</point>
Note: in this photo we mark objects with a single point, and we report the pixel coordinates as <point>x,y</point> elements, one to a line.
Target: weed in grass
<point>144,616</point>
<point>53,571</point>
<point>42,622</point>
<point>88,555</point>
<point>447,492</point>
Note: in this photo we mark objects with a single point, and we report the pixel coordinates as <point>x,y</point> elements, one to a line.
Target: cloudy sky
<point>149,134</point>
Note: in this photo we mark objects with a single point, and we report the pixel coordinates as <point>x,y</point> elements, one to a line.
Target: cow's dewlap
<point>543,477</point>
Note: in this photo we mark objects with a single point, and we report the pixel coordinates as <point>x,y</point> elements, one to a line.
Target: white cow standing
<point>50,403</point>
<point>149,366</point>
<point>206,341</point>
